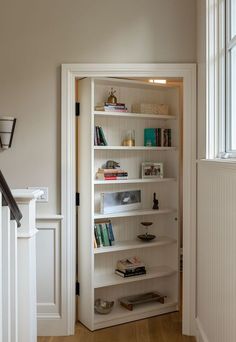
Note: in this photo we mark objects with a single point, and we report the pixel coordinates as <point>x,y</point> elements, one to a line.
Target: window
<point>230,47</point>
<point>221,78</point>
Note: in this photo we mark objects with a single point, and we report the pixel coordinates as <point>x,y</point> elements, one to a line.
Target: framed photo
<point>152,170</point>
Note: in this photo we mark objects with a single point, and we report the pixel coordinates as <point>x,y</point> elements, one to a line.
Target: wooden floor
<point>165,328</point>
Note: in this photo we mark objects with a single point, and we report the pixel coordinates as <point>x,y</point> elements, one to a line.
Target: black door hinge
<point>77,109</point>
<point>77,199</point>
<point>77,288</point>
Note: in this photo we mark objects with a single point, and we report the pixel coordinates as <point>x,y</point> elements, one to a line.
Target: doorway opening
<point>141,127</point>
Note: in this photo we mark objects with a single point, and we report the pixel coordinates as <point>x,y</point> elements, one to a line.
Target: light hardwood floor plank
<point>164,328</point>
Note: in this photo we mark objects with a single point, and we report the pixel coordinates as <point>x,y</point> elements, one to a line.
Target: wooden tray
<point>130,301</point>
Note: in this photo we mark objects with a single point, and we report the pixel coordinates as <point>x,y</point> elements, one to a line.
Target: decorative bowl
<point>146,237</point>
<point>103,306</point>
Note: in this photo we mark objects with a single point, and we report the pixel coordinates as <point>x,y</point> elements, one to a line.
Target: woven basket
<point>150,108</point>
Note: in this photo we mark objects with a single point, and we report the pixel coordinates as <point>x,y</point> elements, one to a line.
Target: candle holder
<point>146,237</point>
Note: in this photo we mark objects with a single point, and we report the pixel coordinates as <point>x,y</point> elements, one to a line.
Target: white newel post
<point>26,234</point>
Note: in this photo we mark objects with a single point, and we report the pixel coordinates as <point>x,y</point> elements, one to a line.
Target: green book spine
<point>110,233</point>
<point>149,137</point>
<point>105,237</point>
<point>96,236</point>
<point>102,135</point>
<point>99,234</point>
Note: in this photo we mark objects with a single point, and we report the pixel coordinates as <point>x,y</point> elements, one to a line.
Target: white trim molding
<point>69,74</point>
<point>50,266</point>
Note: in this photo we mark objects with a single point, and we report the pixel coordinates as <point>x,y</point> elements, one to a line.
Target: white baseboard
<point>200,335</point>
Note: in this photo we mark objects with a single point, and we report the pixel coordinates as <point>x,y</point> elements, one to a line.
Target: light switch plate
<point>44,196</point>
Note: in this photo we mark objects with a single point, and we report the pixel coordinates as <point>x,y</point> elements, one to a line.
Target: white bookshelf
<point>96,271</point>
<point>143,212</point>
<point>134,181</point>
<point>120,315</point>
<point>112,279</point>
<point>135,244</point>
<point>135,115</point>
<point>135,148</point>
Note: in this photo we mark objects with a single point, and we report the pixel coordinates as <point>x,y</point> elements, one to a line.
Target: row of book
<point>130,267</point>
<point>103,234</point>
<point>112,107</point>
<point>157,137</point>
<point>99,137</point>
<point>111,174</point>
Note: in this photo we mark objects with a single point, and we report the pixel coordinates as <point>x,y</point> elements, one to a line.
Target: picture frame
<point>152,170</point>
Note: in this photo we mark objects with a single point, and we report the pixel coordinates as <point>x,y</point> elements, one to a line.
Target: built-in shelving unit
<point>134,181</point>
<point>161,256</point>
<point>113,279</point>
<point>130,213</point>
<point>134,115</point>
<point>135,244</point>
<point>135,148</point>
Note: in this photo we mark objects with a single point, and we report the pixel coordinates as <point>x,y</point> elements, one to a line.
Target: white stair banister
<point>26,260</point>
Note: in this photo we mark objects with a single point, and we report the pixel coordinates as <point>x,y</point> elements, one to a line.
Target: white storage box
<point>150,108</point>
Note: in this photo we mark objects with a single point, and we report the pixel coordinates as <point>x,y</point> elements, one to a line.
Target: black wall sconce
<point>7,127</point>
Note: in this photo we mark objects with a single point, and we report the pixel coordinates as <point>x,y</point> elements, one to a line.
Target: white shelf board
<point>133,181</point>
<point>134,115</point>
<point>113,279</point>
<point>134,244</point>
<point>136,148</point>
<point>140,212</point>
<point>121,315</point>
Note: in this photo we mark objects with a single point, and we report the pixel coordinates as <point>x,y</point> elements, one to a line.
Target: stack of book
<point>111,174</point>
<point>103,234</point>
<point>112,107</point>
<point>99,137</point>
<point>130,267</point>
<point>157,137</point>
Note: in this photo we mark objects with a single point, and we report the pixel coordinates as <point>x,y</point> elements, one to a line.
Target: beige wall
<point>38,36</point>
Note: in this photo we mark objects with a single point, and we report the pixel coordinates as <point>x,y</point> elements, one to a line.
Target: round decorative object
<point>146,237</point>
<point>146,224</point>
<point>103,307</point>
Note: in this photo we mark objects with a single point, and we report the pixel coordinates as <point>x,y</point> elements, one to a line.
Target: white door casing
<point>68,176</point>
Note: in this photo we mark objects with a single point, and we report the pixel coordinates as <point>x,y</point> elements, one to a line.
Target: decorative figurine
<point>112,98</point>
<point>146,237</point>
<point>155,202</point>
<point>111,164</point>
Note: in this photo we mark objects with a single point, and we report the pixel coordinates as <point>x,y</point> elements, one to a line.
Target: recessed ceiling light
<point>158,81</point>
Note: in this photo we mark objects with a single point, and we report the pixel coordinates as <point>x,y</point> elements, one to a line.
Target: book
<point>99,137</point>
<point>102,136</point>
<point>99,235</point>
<point>111,176</point>
<point>150,137</point>
<point>96,236</point>
<point>157,137</point>
<point>104,233</point>
<point>110,233</point>
<point>125,275</point>
<point>112,202</point>
<point>129,264</point>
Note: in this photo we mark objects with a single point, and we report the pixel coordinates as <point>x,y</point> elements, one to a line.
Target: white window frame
<point>229,43</point>
<point>218,80</point>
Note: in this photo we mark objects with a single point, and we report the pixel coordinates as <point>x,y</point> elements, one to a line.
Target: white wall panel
<point>49,280</point>
<point>216,252</point>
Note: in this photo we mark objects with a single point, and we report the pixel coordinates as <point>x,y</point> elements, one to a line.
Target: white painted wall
<point>37,36</point>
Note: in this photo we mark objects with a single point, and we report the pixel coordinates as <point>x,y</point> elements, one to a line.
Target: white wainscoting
<point>49,249</point>
<point>216,251</point>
